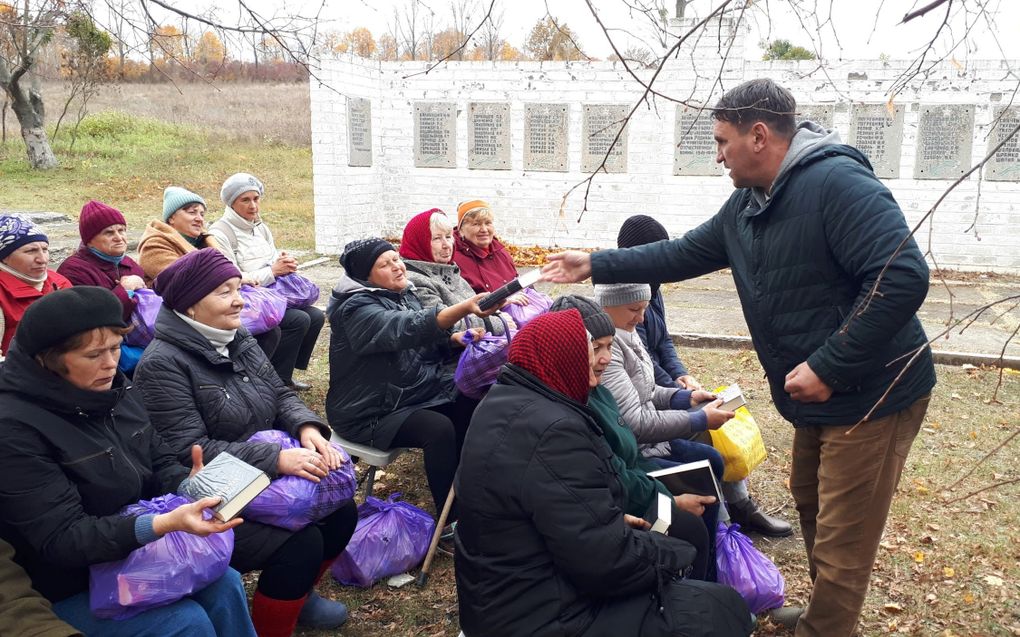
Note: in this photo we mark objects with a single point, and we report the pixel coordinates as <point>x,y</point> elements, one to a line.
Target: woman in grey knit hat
<point>662,418</point>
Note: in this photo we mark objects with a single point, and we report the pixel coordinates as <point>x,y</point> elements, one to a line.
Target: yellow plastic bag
<point>739,441</point>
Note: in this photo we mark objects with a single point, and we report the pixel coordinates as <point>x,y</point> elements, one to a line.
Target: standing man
<point>807,235</point>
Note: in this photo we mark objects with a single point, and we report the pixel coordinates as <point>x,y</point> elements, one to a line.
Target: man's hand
<point>688,382</point>
<point>693,503</point>
<point>805,386</point>
<point>572,266</point>
<point>636,522</point>
<point>699,396</point>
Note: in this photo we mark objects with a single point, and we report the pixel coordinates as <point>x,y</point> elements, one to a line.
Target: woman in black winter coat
<point>543,545</point>
<point>77,447</point>
<point>206,382</point>
<point>388,386</point>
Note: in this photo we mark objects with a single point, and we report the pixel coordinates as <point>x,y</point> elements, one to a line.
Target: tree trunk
<point>28,108</point>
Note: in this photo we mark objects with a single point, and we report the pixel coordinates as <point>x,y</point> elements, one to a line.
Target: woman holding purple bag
<point>78,447</point>
<point>206,382</point>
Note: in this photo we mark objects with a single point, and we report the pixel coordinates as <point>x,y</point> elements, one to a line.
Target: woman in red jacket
<point>24,272</point>
<point>484,262</point>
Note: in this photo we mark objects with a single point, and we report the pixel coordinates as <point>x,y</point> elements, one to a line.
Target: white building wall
<point>354,202</point>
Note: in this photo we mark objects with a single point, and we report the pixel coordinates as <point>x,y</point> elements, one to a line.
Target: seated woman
<point>24,273</point>
<point>484,262</point>
<point>543,544</point>
<point>669,369</point>
<point>632,468</point>
<point>247,241</point>
<point>427,250</point>
<point>661,417</point>
<point>183,231</point>
<point>206,382</point>
<point>388,386</point>
<point>77,448</point>
<point>102,259</point>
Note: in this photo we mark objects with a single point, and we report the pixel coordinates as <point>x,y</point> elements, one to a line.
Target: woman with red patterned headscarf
<point>427,250</point>
<point>543,545</point>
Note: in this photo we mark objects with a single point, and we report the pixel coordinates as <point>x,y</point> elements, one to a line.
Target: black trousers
<point>439,432</point>
<point>291,571</point>
<point>299,330</point>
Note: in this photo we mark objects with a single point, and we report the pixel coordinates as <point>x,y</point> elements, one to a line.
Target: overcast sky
<point>857,29</point>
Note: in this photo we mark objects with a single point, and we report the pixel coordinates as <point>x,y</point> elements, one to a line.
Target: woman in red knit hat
<point>101,259</point>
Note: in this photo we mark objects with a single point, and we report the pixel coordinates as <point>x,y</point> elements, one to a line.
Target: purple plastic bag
<point>293,503</point>
<point>161,572</point>
<point>392,538</point>
<point>744,568</point>
<point>538,304</point>
<point>299,291</point>
<point>263,309</point>
<point>480,361</point>
<point>143,319</point>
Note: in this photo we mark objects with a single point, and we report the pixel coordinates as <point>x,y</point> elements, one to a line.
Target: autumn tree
<point>209,50</point>
<point>166,44</point>
<point>551,39</point>
<point>24,30</point>
<point>84,66</point>
<point>360,42</point>
<point>387,49</point>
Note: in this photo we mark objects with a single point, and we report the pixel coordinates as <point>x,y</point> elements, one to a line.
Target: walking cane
<point>423,577</point>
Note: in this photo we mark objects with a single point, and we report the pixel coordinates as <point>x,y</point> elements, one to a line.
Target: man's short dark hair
<point>760,100</point>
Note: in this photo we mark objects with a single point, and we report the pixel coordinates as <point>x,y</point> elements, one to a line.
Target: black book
<point>229,478</point>
<point>692,477</point>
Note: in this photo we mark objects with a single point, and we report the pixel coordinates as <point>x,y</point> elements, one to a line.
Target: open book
<point>732,397</point>
<point>229,478</point>
<point>691,477</point>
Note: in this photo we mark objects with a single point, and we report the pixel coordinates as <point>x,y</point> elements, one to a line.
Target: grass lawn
<point>127,160</point>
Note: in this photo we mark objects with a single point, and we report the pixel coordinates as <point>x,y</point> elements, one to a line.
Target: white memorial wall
<point>390,141</point>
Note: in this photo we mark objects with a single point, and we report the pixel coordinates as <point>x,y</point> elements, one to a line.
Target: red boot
<point>275,617</point>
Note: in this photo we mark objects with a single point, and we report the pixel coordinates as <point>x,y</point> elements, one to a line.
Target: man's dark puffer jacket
<point>803,264</point>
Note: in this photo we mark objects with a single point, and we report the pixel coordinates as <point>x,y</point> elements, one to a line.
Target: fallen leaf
<point>968,598</point>
<point>919,557</point>
<point>993,580</point>
<point>892,607</point>
<point>948,572</point>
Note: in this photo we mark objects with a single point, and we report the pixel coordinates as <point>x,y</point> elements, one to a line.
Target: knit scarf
<point>218,338</point>
<point>36,282</point>
<point>554,349</point>
<point>195,241</point>
<point>107,257</point>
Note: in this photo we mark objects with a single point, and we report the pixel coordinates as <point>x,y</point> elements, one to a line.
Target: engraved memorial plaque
<point>944,136</point>
<point>878,133</point>
<point>601,124</point>
<point>359,131</point>
<point>1004,164</point>
<point>694,145</point>
<point>545,137</point>
<point>821,114</point>
<point>435,135</point>
<point>489,135</point>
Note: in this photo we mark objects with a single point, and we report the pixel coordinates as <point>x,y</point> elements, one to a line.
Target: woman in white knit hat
<point>247,241</point>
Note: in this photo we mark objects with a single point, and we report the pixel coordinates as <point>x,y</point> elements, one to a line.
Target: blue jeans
<point>218,610</point>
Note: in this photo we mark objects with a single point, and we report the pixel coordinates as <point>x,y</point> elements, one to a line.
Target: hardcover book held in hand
<point>732,397</point>
<point>229,478</point>
<point>691,477</point>
<point>664,514</point>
